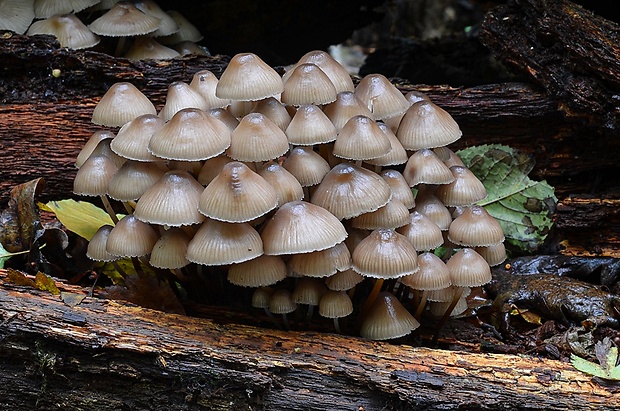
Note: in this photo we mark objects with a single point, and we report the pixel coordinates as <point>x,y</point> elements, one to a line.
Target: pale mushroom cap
<point>274,110</point>
<point>281,302</point>
<point>338,75</point>
<point>44,9</point>
<point>433,274</point>
<point>475,227</point>
<point>308,84</point>
<point>220,243</point>
<point>97,245</point>
<point>170,250</point>
<point>425,167</point>
<point>494,254</point>
<point>396,155</point>
<point>181,95</point>
<point>121,103</point>
<point>335,304</point>
<point>387,319</point>
<point>190,135</point>
<point>301,227</point>
<point>187,31</point>
<point>308,291</point>
<point>321,263</point>
<point>468,269</point>
<point>429,205</point>
<point>466,189</point>
<point>91,144</point>
<point>172,201</point>
<point>211,168</point>
<point>261,296</point>
<point>131,237</point>
<point>189,47</point>
<point>258,272</point>
<point>124,19</point>
<point>103,149</point>
<point>385,254</point>
<point>133,179</point>
<point>361,139</point>
<point>449,157</point>
<point>345,107</point>
<point>426,125</point>
<point>415,96</point>
<point>146,48</point>
<point>344,280</point>
<point>225,117</point>
<point>285,184</point>
<point>93,177</point>
<point>310,126</point>
<point>16,15</point>
<point>392,215</point>
<point>205,82</point>
<point>438,308</point>
<point>399,187</point>
<point>248,78</point>
<point>68,29</point>
<point>308,167</point>
<point>348,191</point>
<point>422,232</point>
<point>257,138</point>
<point>132,140</point>
<point>167,25</point>
<point>237,195</point>
<point>381,97</point>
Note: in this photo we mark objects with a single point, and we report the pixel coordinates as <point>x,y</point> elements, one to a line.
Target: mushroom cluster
<point>79,24</point>
<point>292,186</point>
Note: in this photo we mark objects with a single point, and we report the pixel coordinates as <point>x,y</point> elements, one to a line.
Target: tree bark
<point>111,355</point>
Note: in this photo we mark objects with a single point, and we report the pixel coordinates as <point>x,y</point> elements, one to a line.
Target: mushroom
<point>68,29</point>
<point>308,84</point>
<point>92,179</point>
<point>120,104</point>
<point>381,97</point>
<point>426,125</point>
<point>321,263</point>
<point>248,78</point>
<point>16,15</point>
<point>387,319</point>
<point>261,271</point>
<point>335,305</point>
<point>257,139</point>
<point>433,275</point>
<point>361,139</point>
<point>281,302</point>
<point>182,95</point>
<point>44,9</point>
<point>308,291</point>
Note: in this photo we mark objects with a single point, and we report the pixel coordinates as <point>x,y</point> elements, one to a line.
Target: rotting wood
<point>111,355</point>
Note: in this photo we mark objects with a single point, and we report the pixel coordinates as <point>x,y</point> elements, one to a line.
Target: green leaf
<point>522,206</point>
<point>587,366</point>
<point>80,217</point>
<point>5,255</point>
<point>607,356</point>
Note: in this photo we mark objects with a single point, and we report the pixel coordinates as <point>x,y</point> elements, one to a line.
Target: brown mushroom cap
<point>321,263</point>
<point>392,215</point>
<point>344,280</point>
<point>433,274</point>
<point>335,304</point>
<point>131,237</point>
<point>429,205</point>
<point>345,107</point>
<point>399,187</point>
<point>281,302</point>
<point>167,25</point>
<point>381,97</point>
<point>257,138</point>
<point>179,96</point>
<point>361,139</point>
<point>285,184</point>
<point>274,110</point>
<point>91,144</point>
<point>310,126</point>
<point>385,254</point>
<point>121,103</point>
<point>132,140</point>
<point>308,167</point>
<point>124,19</point>
<point>301,227</point>
<point>187,31</point>
<point>258,272</point>
<point>133,179</point>
<point>337,74</point>
<point>170,250</point>
<point>248,78</point>
<point>93,177</point>
<point>44,9</point>
<point>425,167</point>
<point>68,29</point>
<point>237,195</point>
<point>147,48</point>
<point>308,291</point>
<point>205,82</point>
<point>308,84</point>
<point>220,243</point>
<point>97,245</point>
<point>348,191</point>
<point>261,296</point>
<point>494,254</point>
<point>396,155</point>
<point>422,232</point>
<point>475,227</point>
<point>387,319</point>
<point>466,189</point>
<point>468,269</point>
<point>172,201</point>
<point>426,125</point>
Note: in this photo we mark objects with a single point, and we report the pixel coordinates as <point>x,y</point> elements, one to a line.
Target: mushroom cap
<point>468,269</point>
<point>285,184</point>
<point>345,107</point>
<point>93,177</point>
<point>422,232</point>
<point>308,291</point>
<point>310,126</point>
<point>494,254</point>
<point>433,274</point>
<point>281,302</point>
<point>44,9</point>
<point>132,140</point>
<point>274,110</point>
<point>220,243</point>
<point>205,83</point>
<point>387,319</point>
<point>301,227</point>
<point>257,138</point>
<point>248,78</point>
<point>381,97</point>
<point>348,191</point>
<point>68,29</point>
<point>258,272</point>
<point>225,117</point>
<point>133,179</point>
<point>91,144</point>
<point>237,195</point>
<point>124,19</point>
<point>438,308</point>
<point>187,31</point>
<point>131,237</point>
<point>426,125</point>
<point>211,168</point>
<point>121,103</point>
<point>425,167</point>
<point>466,189</point>
<point>475,227</point>
<point>449,157</point>
<point>361,139</point>
<point>181,95</point>
<point>147,48</point>
<point>261,296</point>
<point>321,263</point>
<point>171,201</point>
<point>308,84</point>
<point>170,250</point>
<point>308,167</point>
<point>337,74</point>
<point>167,25</point>
<point>344,280</point>
<point>399,187</point>
<point>16,15</point>
<point>97,245</point>
<point>335,304</point>
<point>392,215</point>
<point>429,205</point>
<point>385,254</point>
<point>190,135</point>
<point>396,155</point>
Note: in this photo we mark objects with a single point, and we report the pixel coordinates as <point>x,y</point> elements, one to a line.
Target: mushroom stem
<point>372,296</point>
<point>337,326</point>
<point>118,269</point>
<point>306,193</point>
<point>421,305</point>
<point>310,312</point>
<point>108,208</point>
<point>273,319</point>
<point>128,207</point>
<point>287,327</point>
<point>444,318</point>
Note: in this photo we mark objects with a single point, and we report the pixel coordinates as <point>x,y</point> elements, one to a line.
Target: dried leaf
<point>20,222</point>
<point>72,299</point>
<point>44,282</point>
<point>80,217</point>
<point>19,278</point>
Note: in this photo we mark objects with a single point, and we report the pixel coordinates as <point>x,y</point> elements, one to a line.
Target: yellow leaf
<point>44,282</point>
<point>80,217</point>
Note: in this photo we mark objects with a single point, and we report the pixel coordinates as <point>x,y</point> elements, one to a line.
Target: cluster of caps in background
<point>296,176</point>
<point>153,33</point>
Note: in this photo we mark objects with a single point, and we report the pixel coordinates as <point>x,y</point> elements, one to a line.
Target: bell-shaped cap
<point>465,190</point>
<point>385,254</point>
<point>433,274</point>
<point>124,19</point>
<point>344,280</point>
<point>259,272</point>
<point>310,126</point>
<point>132,140</point>
<point>121,103</point>
<point>170,250</point>
<point>382,98</point>
<point>422,232</point>
<point>68,29</point>
<point>97,245</point>
<point>131,237</point>
<point>475,227</point>
<point>399,187</point>
<point>179,96</point>
<point>387,319</point>
<point>308,167</point>
<point>426,125</point>
<point>257,138</point>
<point>361,139</point>
<point>205,82</point>
<point>93,177</point>
<point>248,78</point>
<point>285,184</point>
<point>321,263</point>
<point>335,304</point>
<point>308,84</point>
<point>345,107</point>
<point>133,179</point>
<point>337,74</point>
<point>468,269</point>
<point>425,167</point>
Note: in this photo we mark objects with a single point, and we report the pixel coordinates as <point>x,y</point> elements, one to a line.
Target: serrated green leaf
<point>588,367</point>
<point>522,206</point>
<point>80,217</point>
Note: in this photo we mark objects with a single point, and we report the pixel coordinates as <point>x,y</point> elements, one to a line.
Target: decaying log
<point>110,355</point>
